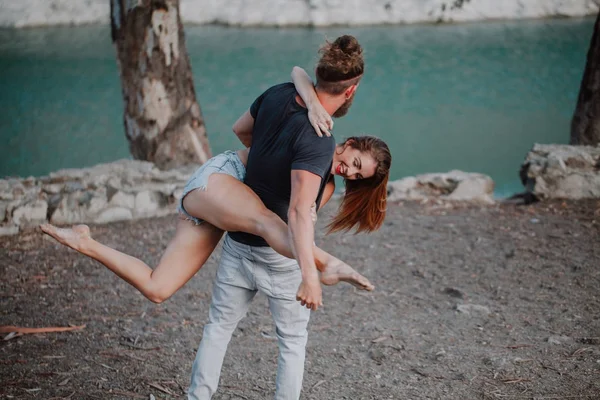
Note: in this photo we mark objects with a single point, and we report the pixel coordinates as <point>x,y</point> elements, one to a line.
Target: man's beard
<point>343,110</point>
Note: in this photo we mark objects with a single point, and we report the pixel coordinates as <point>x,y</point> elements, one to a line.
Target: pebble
<point>473,309</point>
<point>558,339</point>
<point>376,355</point>
<point>452,292</point>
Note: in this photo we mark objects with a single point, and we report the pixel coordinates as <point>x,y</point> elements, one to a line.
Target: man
<point>288,168</point>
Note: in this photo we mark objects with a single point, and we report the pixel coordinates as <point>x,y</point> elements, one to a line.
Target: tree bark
<point>585,126</point>
<point>163,121</point>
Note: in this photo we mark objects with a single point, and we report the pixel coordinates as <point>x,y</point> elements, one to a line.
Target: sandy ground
<point>471,302</point>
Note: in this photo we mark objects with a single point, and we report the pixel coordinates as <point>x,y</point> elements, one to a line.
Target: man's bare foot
<point>75,238</point>
<point>338,271</point>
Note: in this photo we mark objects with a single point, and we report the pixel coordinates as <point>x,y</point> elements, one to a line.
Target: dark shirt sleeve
<point>256,105</point>
<point>312,153</point>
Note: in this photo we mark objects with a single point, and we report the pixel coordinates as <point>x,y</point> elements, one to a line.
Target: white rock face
<point>23,13</point>
<point>452,186</point>
<point>30,214</point>
<point>113,215</point>
<point>300,12</point>
<point>118,191</point>
<point>562,171</point>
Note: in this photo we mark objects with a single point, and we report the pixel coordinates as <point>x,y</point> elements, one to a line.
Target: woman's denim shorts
<point>227,163</point>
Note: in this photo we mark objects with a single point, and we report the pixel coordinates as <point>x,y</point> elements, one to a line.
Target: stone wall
<point>450,186</point>
<point>126,190</point>
<point>562,171</point>
<point>118,191</point>
<point>300,12</point>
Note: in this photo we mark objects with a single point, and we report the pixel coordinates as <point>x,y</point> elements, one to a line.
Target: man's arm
<point>243,128</point>
<point>305,187</point>
<point>327,192</point>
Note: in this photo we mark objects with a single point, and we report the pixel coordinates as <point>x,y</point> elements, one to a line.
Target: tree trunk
<point>585,126</point>
<point>163,121</point>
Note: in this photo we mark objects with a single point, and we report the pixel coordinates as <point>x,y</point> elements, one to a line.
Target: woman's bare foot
<point>338,271</point>
<point>76,237</point>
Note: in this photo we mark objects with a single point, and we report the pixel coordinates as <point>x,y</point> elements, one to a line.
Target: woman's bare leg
<point>185,255</point>
<point>232,206</point>
<point>192,245</point>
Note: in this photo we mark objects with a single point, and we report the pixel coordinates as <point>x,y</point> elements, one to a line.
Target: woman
<point>213,201</point>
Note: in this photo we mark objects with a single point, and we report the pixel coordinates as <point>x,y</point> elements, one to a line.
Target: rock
<point>376,355</point>
<point>98,194</point>
<point>7,230</point>
<point>114,214</point>
<point>23,191</point>
<point>453,186</point>
<point>3,207</point>
<point>53,188</point>
<point>30,214</point>
<point>177,193</point>
<point>558,339</point>
<point>452,292</point>
<point>497,362</point>
<point>96,205</point>
<point>473,309</point>
<point>562,171</point>
<point>122,199</point>
<point>66,214</point>
<point>75,186</point>
<point>165,188</point>
<point>305,13</point>
<point>147,202</point>
<point>595,341</point>
<point>479,188</point>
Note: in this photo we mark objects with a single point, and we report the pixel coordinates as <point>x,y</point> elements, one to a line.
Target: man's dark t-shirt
<point>282,140</point>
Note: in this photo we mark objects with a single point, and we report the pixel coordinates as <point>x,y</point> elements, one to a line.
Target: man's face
<point>343,110</point>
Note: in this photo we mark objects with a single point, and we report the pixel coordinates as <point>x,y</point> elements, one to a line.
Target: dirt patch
<point>494,302</point>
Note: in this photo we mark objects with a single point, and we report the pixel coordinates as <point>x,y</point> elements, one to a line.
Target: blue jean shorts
<point>226,163</point>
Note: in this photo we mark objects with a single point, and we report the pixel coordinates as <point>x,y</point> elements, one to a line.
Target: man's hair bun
<point>341,60</point>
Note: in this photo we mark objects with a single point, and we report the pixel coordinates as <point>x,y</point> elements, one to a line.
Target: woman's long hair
<point>364,203</point>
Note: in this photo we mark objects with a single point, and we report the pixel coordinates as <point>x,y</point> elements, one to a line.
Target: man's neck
<point>330,103</point>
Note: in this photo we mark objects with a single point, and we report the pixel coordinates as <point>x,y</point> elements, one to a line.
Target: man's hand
<point>310,293</point>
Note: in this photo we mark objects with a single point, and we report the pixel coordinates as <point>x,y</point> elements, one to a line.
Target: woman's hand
<point>320,119</point>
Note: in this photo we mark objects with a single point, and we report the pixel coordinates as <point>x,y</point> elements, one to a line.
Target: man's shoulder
<point>307,137</point>
<point>286,87</point>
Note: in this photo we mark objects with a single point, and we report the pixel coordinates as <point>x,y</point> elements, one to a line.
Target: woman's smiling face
<point>352,164</point>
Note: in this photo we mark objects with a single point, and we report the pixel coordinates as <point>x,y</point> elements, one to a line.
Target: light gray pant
<point>242,272</point>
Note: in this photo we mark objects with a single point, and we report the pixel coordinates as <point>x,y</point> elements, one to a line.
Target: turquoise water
<point>472,97</point>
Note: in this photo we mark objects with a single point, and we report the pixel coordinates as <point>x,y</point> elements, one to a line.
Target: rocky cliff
<point>300,12</point>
